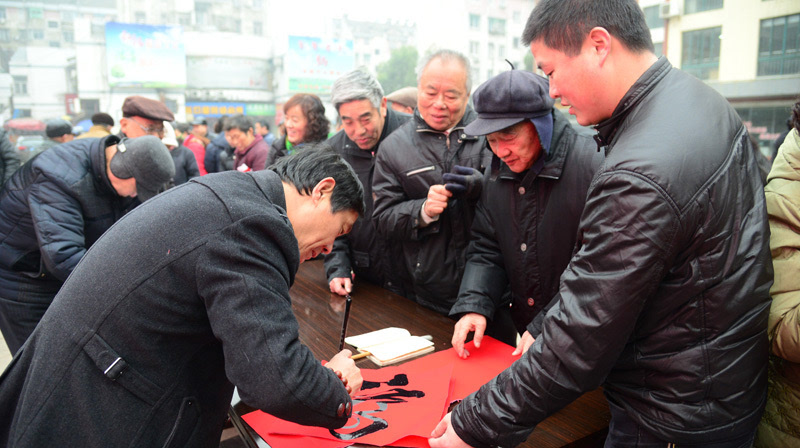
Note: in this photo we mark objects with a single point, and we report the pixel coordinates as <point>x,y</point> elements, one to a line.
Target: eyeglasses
<point>151,130</point>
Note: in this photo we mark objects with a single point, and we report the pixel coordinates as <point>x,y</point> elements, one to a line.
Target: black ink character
<point>382,400</point>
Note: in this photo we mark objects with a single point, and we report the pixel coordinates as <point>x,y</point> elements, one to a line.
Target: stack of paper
<point>390,345</point>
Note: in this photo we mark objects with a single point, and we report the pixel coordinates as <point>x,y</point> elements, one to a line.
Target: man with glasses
<point>143,116</point>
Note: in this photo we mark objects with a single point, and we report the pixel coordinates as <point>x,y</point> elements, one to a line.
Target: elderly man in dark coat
<point>526,222</point>
<point>366,121</point>
<point>165,314</point>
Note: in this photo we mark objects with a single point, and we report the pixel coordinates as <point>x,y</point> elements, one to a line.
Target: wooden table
<point>584,423</point>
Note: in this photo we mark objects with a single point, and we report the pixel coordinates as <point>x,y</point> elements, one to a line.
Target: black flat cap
<point>57,128</point>
<point>508,99</point>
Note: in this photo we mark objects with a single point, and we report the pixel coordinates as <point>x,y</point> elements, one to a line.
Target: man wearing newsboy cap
<point>526,221</point>
<point>56,206</point>
<point>143,116</point>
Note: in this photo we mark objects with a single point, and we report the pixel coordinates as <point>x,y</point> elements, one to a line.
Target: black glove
<point>464,182</point>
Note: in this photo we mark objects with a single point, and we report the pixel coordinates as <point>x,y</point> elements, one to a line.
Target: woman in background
<point>305,123</point>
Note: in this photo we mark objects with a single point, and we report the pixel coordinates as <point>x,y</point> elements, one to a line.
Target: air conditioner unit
<point>669,9</point>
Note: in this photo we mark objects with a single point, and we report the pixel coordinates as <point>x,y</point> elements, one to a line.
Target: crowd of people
<point>646,258</point>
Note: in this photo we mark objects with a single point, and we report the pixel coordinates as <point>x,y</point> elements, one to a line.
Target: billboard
<point>218,109</point>
<point>151,56</point>
<point>222,72</point>
<point>313,63</point>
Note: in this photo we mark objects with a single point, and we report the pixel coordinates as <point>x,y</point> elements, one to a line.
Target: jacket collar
<point>271,186</point>
<point>607,129</point>
<point>257,139</point>
<point>97,154</point>
<point>469,116</point>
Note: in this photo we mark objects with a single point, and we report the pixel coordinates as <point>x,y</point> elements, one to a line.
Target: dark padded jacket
<point>9,159</point>
<point>185,164</point>
<point>525,229</point>
<point>666,301</point>
<point>56,206</point>
<point>412,159</point>
<point>362,251</point>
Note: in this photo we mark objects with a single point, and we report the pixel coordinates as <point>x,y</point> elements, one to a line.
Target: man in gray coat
<point>165,314</point>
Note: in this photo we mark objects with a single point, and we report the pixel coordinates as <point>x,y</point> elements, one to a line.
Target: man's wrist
<point>424,217</point>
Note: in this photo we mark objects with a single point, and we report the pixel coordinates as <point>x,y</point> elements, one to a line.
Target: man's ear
<point>323,188</point>
<point>382,108</point>
<point>600,40</point>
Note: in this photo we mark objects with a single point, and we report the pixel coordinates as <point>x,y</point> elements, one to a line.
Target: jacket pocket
<point>185,423</point>
<point>116,369</point>
<point>361,259</point>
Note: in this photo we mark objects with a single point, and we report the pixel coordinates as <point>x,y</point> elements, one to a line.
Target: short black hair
<point>262,121</point>
<point>564,24</point>
<point>240,122</point>
<point>796,115</point>
<point>305,169</point>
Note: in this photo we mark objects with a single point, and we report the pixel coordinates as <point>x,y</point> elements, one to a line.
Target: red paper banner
<point>399,405</point>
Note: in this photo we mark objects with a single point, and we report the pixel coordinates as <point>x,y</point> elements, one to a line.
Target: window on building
<point>700,55</point>
<point>202,13</point>
<point>22,113</point>
<point>98,30</point>
<point>367,58</point>
<point>516,16</point>
<point>2,13</point>
<point>651,16</point>
<point>22,35</point>
<point>52,24</point>
<point>497,26</point>
<point>474,21</point>
<point>765,124</point>
<point>237,25</point>
<point>90,107</point>
<point>67,16</point>
<point>702,5</point>
<point>515,42</point>
<point>69,36</point>
<point>20,85</point>
<point>490,51</point>
<point>489,74</point>
<point>37,34</point>
<point>474,47</point>
<point>4,35</point>
<point>54,44</point>
<point>501,51</point>
<point>184,18</point>
<point>258,28</point>
<point>659,48</point>
<point>779,46</point>
<point>140,17</point>
<point>258,4</point>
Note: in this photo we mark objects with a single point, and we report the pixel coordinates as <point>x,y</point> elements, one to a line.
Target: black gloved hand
<point>464,182</point>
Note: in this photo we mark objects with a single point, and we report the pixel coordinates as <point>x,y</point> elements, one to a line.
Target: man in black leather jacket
<point>526,221</point>
<point>665,301</point>
<point>367,121</point>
